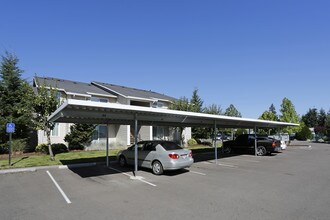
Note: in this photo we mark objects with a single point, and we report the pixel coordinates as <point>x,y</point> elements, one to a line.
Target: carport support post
<point>215,143</point>
<point>107,145</point>
<point>255,141</point>
<point>222,148</point>
<point>136,146</point>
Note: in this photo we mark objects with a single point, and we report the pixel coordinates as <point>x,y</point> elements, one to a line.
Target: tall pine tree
<point>16,97</point>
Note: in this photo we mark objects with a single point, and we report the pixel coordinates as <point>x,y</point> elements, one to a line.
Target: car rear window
<point>170,146</point>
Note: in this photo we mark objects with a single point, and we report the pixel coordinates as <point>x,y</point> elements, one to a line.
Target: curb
<point>34,169</point>
<point>18,170</point>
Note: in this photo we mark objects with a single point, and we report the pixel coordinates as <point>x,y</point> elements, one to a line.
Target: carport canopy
<point>80,111</point>
<point>88,112</point>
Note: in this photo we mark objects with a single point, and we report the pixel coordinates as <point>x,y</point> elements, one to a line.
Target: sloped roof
<point>72,87</point>
<point>128,92</point>
<point>80,111</point>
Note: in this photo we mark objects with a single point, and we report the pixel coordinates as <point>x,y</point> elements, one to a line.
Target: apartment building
<point>120,136</point>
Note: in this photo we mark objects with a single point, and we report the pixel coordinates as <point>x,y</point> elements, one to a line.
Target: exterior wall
<point>100,144</point>
<point>63,129</point>
<point>144,133</point>
<point>120,136</point>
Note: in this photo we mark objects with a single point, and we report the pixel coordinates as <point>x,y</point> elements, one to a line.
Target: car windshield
<point>170,146</point>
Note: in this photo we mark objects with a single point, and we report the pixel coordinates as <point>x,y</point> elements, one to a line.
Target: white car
<point>157,155</point>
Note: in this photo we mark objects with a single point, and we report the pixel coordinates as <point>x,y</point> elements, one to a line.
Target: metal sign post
<point>10,128</point>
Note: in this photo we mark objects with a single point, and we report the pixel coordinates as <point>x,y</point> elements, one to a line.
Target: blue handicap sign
<point>10,128</point>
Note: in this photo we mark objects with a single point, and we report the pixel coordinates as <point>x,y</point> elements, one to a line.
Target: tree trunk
<point>49,144</point>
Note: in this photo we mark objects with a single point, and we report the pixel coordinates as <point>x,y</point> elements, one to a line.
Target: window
<point>150,147</point>
<point>54,131</point>
<point>170,146</point>
<point>160,133</point>
<point>100,132</point>
<point>97,99</point>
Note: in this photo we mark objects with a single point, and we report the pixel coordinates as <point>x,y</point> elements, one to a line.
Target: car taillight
<point>190,154</point>
<point>174,156</point>
<point>273,144</point>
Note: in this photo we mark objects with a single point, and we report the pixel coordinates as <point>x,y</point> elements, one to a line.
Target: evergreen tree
<point>289,114</point>
<point>15,99</point>
<point>196,102</point>
<point>310,118</point>
<point>232,111</point>
<point>321,118</point>
<point>272,109</point>
<point>80,135</point>
<point>196,105</point>
<point>327,125</point>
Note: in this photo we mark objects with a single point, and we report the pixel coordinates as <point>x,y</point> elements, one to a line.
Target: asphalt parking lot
<point>294,184</point>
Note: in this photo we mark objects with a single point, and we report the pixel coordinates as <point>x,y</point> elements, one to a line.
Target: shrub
<point>4,149</point>
<point>42,148</point>
<point>59,148</point>
<point>76,146</point>
<point>304,134</point>
<point>80,134</point>
<point>192,142</point>
<point>18,145</point>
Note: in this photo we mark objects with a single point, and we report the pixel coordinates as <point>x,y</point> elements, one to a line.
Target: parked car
<point>220,137</point>
<point>245,142</point>
<point>157,155</point>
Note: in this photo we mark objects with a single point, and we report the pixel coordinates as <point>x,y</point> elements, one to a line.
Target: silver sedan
<point>157,155</point>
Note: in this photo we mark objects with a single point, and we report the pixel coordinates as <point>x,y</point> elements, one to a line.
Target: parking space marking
<point>59,188</point>
<point>253,156</point>
<point>228,165</point>
<point>238,159</point>
<point>203,174</point>
<point>133,177</point>
<point>306,147</point>
<point>221,164</point>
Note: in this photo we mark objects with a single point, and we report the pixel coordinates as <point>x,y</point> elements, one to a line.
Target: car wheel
<point>261,151</point>
<point>227,150</point>
<point>157,168</point>
<point>122,161</point>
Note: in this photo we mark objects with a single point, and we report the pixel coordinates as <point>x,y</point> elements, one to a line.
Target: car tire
<point>261,151</point>
<point>157,168</point>
<point>227,150</point>
<point>122,161</point>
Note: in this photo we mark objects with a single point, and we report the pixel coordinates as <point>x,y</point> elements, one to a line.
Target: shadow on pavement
<point>100,168</point>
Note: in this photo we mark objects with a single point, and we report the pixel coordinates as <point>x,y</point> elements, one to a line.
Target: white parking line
<point>203,174</point>
<point>206,162</point>
<point>227,165</point>
<point>140,178</point>
<point>253,161</point>
<point>306,147</point>
<point>222,164</point>
<point>59,188</point>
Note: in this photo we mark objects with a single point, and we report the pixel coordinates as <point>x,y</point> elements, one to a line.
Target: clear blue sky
<point>247,53</point>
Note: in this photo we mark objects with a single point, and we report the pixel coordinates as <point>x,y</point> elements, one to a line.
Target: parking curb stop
<point>19,170</point>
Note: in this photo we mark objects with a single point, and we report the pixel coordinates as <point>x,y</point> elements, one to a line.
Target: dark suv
<point>246,142</point>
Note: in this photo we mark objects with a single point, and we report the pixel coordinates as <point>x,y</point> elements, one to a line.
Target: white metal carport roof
<point>78,111</point>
